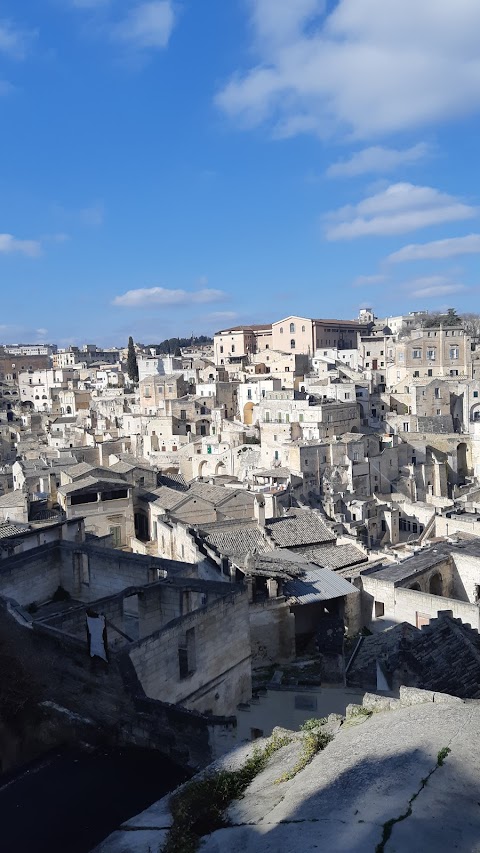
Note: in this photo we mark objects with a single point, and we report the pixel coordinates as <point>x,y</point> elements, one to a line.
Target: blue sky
<point>169,167</point>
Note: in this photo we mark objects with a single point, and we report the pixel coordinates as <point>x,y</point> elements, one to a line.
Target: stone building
<point>168,667</point>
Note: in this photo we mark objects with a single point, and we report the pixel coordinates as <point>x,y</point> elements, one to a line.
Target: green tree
<point>132,366</point>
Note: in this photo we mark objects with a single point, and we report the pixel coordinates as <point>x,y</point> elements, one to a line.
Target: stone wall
<point>272,632</point>
<point>415,607</point>
<point>218,646</point>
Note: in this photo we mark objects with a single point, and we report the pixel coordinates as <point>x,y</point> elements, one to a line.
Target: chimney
<point>259,509</point>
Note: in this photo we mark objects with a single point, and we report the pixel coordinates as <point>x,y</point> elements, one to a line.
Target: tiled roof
<point>173,481</point>
<point>122,467</point>
<point>168,498</point>
<point>217,494</point>
<point>80,470</point>
<point>336,556</point>
<point>90,484</point>
<point>299,527</point>
<point>235,538</point>
<point>443,656</point>
<point>16,498</point>
<point>7,529</point>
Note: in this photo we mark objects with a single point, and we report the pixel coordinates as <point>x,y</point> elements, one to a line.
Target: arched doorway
<point>415,586</point>
<point>435,585</point>
<point>220,468</point>
<point>248,414</point>
<point>201,468</point>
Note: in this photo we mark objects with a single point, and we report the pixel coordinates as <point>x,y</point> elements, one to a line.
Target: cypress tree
<point>132,366</point>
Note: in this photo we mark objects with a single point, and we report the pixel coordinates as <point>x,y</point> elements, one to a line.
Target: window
<point>431,354</point>
<point>147,391</point>
<point>233,347</point>
<point>292,328</point>
<point>221,349</point>
<point>416,374</point>
<point>417,353</point>
<point>249,394</point>
<point>183,415</point>
<point>292,343</point>
<point>186,654</point>
<point>368,352</point>
<point>287,418</point>
<point>405,426</point>
<point>439,411</point>
<point>453,353</point>
<point>116,534</point>
<point>475,393</point>
<point>300,417</point>
<point>281,330</point>
<point>347,395</point>
<point>303,328</point>
<point>437,393</point>
<point>267,417</point>
<point>379,609</point>
<point>355,455</point>
<point>430,372</point>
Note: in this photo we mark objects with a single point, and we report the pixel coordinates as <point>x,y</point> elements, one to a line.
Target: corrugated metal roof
<point>317,585</point>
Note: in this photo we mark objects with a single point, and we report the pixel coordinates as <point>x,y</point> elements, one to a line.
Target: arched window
<point>281,330</point>
<point>292,328</point>
<point>303,328</point>
<point>292,343</point>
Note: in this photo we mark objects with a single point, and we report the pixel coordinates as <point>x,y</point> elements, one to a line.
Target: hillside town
<point>297,500</point>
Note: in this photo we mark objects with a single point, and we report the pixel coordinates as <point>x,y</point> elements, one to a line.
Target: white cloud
<point>148,25</point>
<point>93,215</point>
<point>367,66</point>
<point>378,160</point>
<point>10,245</point>
<point>222,315</point>
<point>14,42</point>
<point>396,210</point>
<point>430,286</point>
<point>369,279</point>
<point>163,296</point>
<point>437,290</point>
<point>437,249</point>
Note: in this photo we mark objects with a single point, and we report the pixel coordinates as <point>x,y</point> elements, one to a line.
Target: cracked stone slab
<point>367,777</point>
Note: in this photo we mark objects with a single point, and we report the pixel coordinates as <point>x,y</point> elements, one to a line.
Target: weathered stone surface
<point>415,696</point>
<point>368,776</point>
<point>372,702</point>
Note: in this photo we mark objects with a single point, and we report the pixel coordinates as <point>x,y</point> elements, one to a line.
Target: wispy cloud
<point>431,286</point>
<point>438,290</point>
<point>364,66</point>
<point>147,26</point>
<point>396,210</point>
<point>93,215</point>
<point>10,245</point>
<point>362,280</point>
<point>14,41</point>
<point>377,160</point>
<point>437,249</point>
<point>164,296</point>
